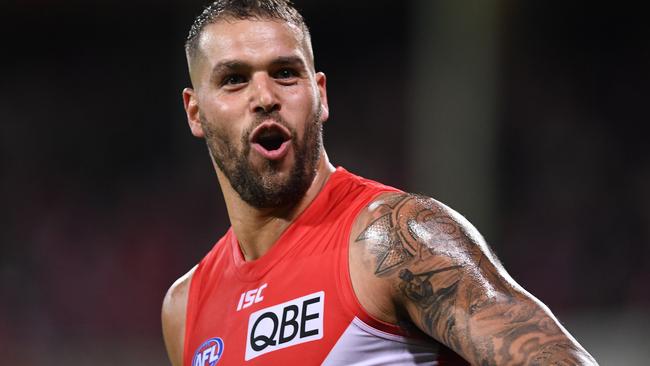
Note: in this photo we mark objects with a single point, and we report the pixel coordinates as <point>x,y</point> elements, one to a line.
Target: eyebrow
<point>227,66</point>
<point>288,60</point>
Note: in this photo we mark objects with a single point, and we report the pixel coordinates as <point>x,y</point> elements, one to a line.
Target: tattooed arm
<point>441,273</point>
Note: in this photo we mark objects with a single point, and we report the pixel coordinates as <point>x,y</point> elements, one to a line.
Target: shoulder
<point>400,236</point>
<point>173,317</point>
<point>420,254</point>
<point>426,252</point>
<point>398,228</point>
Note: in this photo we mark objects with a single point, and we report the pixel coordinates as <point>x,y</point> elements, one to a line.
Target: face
<point>260,107</point>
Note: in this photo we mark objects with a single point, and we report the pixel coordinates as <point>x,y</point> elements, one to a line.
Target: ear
<point>192,111</point>
<point>321,83</point>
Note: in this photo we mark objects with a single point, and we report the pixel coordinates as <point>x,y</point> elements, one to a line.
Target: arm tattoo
<point>395,234</point>
<point>442,266</point>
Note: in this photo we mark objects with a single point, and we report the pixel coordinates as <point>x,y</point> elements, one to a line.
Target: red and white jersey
<point>295,304</point>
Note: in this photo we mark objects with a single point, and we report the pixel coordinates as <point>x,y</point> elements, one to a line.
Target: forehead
<point>250,41</point>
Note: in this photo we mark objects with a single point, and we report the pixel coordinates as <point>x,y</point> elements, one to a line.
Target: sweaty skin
<point>413,261</point>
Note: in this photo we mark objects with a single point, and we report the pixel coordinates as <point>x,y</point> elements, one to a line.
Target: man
<point>321,266</point>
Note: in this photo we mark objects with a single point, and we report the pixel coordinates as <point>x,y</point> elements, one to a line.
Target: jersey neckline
<point>253,270</point>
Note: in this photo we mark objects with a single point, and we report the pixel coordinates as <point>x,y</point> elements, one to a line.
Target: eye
<point>285,74</point>
<point>234,79</point>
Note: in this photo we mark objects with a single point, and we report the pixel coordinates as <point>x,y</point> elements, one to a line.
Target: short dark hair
<point>283,10</point>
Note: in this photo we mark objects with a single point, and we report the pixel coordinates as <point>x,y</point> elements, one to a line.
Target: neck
<point>257,229</point>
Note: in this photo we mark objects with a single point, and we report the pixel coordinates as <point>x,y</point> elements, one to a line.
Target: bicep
<point>482,315</point>
<point>453,288</point>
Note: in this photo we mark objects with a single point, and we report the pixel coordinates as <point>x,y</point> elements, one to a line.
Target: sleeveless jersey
<point>296,304</point>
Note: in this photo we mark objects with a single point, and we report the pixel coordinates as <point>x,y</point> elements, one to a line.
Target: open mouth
<point>271,140</point>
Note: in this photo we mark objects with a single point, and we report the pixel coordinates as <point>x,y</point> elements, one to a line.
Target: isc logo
<point>251,297</point>
<point>209,353</point>
<point>287,324</point>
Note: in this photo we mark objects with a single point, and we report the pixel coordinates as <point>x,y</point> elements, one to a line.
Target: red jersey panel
<point>295,304</point>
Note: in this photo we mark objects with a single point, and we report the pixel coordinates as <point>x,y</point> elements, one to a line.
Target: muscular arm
<point>443,275</point>
<point>173,318</point>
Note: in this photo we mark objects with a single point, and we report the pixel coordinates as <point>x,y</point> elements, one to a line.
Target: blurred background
<point>528,117</point>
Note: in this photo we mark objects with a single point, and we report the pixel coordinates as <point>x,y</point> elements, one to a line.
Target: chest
<point>293,310</point>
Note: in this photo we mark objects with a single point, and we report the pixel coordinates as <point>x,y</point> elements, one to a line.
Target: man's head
<point>231,10</point>
<point>256,98</point>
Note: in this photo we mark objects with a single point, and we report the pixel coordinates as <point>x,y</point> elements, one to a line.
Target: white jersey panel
<point>363,345</point>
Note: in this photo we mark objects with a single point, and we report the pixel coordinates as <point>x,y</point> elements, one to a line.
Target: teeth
<point>267,134</point>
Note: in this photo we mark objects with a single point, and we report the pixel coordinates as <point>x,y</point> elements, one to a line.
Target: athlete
<point>321,266</point>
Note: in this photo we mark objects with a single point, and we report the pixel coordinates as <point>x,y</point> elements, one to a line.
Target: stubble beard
<point>264,187</point>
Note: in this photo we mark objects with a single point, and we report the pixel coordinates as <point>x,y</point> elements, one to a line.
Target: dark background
<point>107,198</point>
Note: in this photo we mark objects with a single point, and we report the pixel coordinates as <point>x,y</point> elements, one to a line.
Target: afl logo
<point>209,353</point>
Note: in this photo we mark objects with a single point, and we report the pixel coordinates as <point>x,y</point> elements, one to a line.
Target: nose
<point>264,98</point>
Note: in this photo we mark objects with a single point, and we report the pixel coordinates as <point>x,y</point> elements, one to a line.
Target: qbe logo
<point>209,353</point>
<point>284,325</point>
